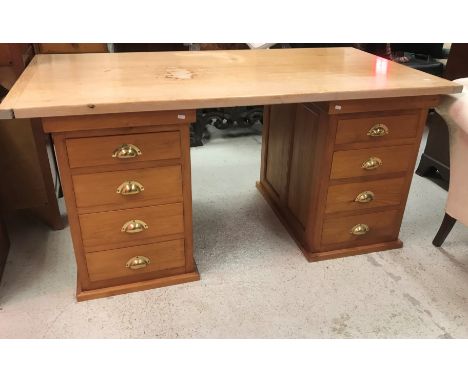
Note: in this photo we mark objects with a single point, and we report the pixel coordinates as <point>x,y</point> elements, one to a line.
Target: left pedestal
<point>127,186</point>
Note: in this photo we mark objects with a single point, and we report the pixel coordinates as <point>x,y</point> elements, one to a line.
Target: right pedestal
<point>338,173</point>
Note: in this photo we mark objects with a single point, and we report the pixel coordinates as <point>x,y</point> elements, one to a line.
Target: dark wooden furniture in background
<point>70,48</point>
<point>27,155</point>
<point>15,57</point>
<point>27,163</point>
<point>435,160</point>
<point>457,62</point>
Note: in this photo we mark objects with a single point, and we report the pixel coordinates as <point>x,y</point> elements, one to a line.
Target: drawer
<point>146,185</point>
<point>117,149</point>
<point>377,129</point>
<point>364,195</point>
<point>107,230</point>
<point>132,261</point>
<point>392,159</point>
<point>383,226</point>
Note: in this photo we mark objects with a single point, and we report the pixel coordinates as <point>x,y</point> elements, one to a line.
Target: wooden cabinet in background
<point>70,48</point>
<point>29,165</point>
<point>15,56</point>
<point>27,162</point>
<point>27,159</point>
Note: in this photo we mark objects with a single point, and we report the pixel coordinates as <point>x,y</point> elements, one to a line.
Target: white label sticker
<point>338,107</point>
<point>181,116</point>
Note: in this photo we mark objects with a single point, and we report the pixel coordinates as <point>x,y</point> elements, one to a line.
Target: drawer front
<point>377,129</point>
<point>387,160</point>
<point>364,195</point>
<point>132,261</point>
<point>383,226</point>
<point>106,230</point>
<point>113,189</point>
<point>118,149</point>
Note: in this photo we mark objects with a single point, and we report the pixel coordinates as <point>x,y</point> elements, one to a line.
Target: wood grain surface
<point>383,226</point>
<point>83,152</point>
<point>356,129</point>
<point>102,230</point>
<point>98,83</point>
<point>110,264</point>
<point>100,189</point>
<point>342,197</point>
<point>348,164</point>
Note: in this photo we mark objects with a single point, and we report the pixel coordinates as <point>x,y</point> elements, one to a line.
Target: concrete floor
<point>255,282</point>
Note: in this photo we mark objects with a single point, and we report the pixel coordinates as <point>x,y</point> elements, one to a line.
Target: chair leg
<point>444,230</point>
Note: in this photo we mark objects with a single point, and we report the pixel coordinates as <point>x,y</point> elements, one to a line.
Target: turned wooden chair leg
<point>444,230</point>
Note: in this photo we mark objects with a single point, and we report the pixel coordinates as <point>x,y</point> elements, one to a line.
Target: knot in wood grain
<point>178,74</point>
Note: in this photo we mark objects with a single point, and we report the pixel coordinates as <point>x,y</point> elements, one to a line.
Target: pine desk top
<point>100,83</point>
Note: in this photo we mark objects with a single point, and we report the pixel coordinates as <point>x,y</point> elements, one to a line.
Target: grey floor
<point>255,282</point>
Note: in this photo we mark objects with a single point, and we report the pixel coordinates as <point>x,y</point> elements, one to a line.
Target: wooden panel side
<point>281,124</point>
<point>310,160</point>
<point>318,192</point>
<point>302,162</point>
<point>265,132</point>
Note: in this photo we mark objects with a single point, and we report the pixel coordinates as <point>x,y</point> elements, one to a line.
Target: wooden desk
<point>341,135</point>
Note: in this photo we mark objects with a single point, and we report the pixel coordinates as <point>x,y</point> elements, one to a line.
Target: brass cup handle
<point>372,163</point>
<point>130,187</point>
<point>138,262</point>
<point>378,130</point>
<point>134,226</point>
<point>365,197</point>
<point>126,151</point>
<point>359,229</point>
